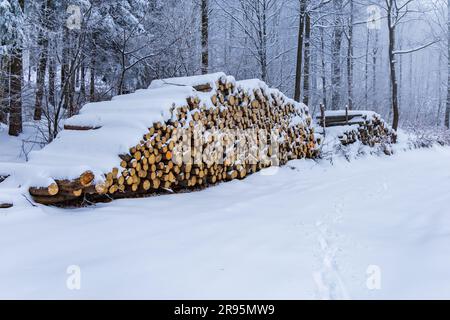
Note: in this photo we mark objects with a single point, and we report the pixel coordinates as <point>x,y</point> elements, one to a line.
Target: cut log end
<point>51,190</point>
<point>86,178</point>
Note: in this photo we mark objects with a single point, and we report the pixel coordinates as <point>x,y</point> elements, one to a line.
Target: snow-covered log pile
<point>181,133</point>
<point>365,126</point>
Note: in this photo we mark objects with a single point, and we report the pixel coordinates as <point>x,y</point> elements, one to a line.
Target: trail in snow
<point>309,231</point>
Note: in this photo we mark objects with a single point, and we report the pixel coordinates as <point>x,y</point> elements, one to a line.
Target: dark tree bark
<point>65,66</point>
<point>393,75</point>
<point>374,72</point>
<point>298,70</point>
<point>51,80</point>
<point>205,25</point>
<point>92,71</point>
<point>324,78</point>
<point>83,82</point>
<point>4,89</point>
<point>306,92</point>
<point>15,118</point>
<point>263,40</point>
<point>350,59</point>
<point>366,71</point>
<point>447,109</point>
<point>336,81</point>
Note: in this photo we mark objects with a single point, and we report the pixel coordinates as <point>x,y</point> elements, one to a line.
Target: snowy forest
<point>224,149</point>
<point>389,56</point>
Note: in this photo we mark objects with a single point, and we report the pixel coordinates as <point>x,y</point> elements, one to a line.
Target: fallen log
<point>50,200</point>
<point>84,181</point>
<point>5,205</point>
<point>80,128</point>
<point>203,87</point>
<point>336,124</point>
<point>51,190</point>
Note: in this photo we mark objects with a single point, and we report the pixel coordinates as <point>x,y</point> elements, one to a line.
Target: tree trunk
<point>393,76</point>
<point>71,90</point>
<point>306,93</point>
<point>263,41</point>
<point>374,73</point>
<point>350,59</point>
<point>336,84</point>
<point>204,41</point>
<point>324,78</point>
<point>83,82</point>
<point>92,70</point>
<point>366,72</point>
<point>65,69</point>
<point>42,64</point>
<point>4,89</point>
<point>15,118</point>
<point>447,109</point>
<point>298,70</point>
<point>51,80</point>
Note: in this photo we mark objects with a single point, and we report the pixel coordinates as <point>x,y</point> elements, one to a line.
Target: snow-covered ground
<point>16,149</point>
<point>312,230</point>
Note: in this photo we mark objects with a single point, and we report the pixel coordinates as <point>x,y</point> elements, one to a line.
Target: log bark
<point>51,190</point>
<point>80,128</point>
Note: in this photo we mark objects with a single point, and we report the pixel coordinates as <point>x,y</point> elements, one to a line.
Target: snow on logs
<point>181,133</point>
<point>365,126</point>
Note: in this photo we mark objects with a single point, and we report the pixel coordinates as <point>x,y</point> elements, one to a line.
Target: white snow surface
<point>307,230</point>
<point>191,81</point>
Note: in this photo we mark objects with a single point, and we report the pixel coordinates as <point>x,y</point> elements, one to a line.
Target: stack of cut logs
<point>199,146</point>
<point>370,129</point>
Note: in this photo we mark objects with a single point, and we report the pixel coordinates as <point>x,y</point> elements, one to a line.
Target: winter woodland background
<point>383,55</point>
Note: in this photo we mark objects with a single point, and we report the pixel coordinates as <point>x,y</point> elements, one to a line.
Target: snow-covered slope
<point>308,230</point>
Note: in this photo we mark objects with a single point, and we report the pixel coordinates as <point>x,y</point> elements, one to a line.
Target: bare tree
<point>306,68</point>
<point>447,109</point>
<point>396,10</point>
<point>204,28</point>
<point>43,56</point>
<point>4,88</point>
<point>15,118</point>
<point>336,82</point>
<point>350,57</point>
<point>298,70</point>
